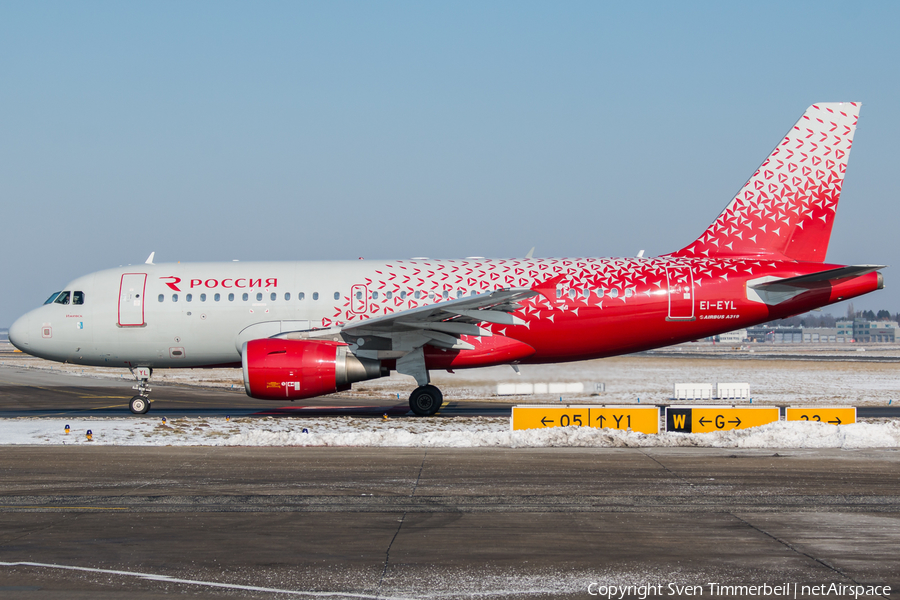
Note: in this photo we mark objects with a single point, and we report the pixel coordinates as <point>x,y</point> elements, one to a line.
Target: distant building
<point>738,336</point>
<point>777,335</point>
<point>820,335</point>
<point>875,331</point>
<point>844,332</point>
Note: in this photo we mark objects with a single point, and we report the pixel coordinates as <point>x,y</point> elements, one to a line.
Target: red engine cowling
<point>278,369</point>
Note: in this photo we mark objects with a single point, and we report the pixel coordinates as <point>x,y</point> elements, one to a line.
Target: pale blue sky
<point>333,130</point>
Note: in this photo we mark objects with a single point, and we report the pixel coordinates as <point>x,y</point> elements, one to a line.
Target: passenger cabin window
<point>460,293</point>
<point>301,296</point>
<point>403,294</point>
<point>245,297</point>
<point>63,298</point>
<point>389,295</point>
<point>337,296</point>
<point>77,297</point>
<point>231,297</point>
<point>358,296</point>
<point>287,295</point>
<point>217,297</point>
<point>174,297</point>
<point>202,297</point>
<point>374,295</point>
<point>259,297</point>
<point>273,296</point>
<point>315,295</point>
<point>52,297</point>
<point>161,297</point>
<point>188,297</point>
<point>417,294</point>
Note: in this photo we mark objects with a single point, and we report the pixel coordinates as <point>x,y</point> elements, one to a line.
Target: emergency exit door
<point>131,299</point>
<point>681,293</point>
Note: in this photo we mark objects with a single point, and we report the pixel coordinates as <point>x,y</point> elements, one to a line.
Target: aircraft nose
<point>19,333</point>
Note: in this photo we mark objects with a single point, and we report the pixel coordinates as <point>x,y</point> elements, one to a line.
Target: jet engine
<point>278,369</point>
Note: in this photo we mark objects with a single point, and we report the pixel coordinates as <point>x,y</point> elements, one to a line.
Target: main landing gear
<point>426,400</point>
<point>140,404</point>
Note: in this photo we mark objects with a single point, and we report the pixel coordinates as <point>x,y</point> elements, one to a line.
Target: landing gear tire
<point>426,400</point>
<point>139,405</point>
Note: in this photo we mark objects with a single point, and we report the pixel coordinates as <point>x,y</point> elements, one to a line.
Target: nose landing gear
<point>426,400</point>
<point>140,404</point>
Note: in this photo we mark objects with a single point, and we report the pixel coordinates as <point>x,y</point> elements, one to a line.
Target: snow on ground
<point>455,432</point>
<point>841,382</point>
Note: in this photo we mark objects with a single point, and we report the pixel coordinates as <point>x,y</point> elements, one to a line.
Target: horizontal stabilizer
<point>848,272</point>
<point>772,291</point>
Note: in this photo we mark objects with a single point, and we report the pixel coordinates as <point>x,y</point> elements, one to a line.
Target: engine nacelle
<point>278,369</point>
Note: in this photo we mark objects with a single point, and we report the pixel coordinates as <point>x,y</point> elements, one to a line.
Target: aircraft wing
<point>442,323</point>
<point>403,335</point>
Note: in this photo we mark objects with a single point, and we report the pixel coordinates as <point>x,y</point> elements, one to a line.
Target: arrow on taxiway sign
<point>736,421</point>
<point>704,421</point>
<point>544,421</point>
<point>837,421</point>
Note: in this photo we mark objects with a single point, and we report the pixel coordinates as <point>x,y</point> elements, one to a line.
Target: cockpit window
<point>77,297</point>
<point>52,297</point>
<point>63,298</point>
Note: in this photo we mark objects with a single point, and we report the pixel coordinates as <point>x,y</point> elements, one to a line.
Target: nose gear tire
<point>139,405</point>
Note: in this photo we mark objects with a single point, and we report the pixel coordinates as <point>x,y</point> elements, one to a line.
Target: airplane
<point>303,329</point>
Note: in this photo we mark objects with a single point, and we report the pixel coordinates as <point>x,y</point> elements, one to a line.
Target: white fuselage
<point>186,315</point>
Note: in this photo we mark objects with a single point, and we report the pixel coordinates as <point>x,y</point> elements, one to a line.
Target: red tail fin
<point>786,210</point>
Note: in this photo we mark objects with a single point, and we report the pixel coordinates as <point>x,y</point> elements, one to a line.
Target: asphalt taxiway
<point>46,393</point>
<point>415,523</point>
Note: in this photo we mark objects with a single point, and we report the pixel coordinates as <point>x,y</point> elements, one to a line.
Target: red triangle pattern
<point>786,209</point>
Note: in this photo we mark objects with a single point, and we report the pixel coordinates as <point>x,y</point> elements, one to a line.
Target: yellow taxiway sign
<point>834,415</point>
<point>643,419</point>
<point>703,419</point>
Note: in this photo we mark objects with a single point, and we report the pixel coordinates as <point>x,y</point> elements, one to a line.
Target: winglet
<point>531,252</point>
<point>149,260</point>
